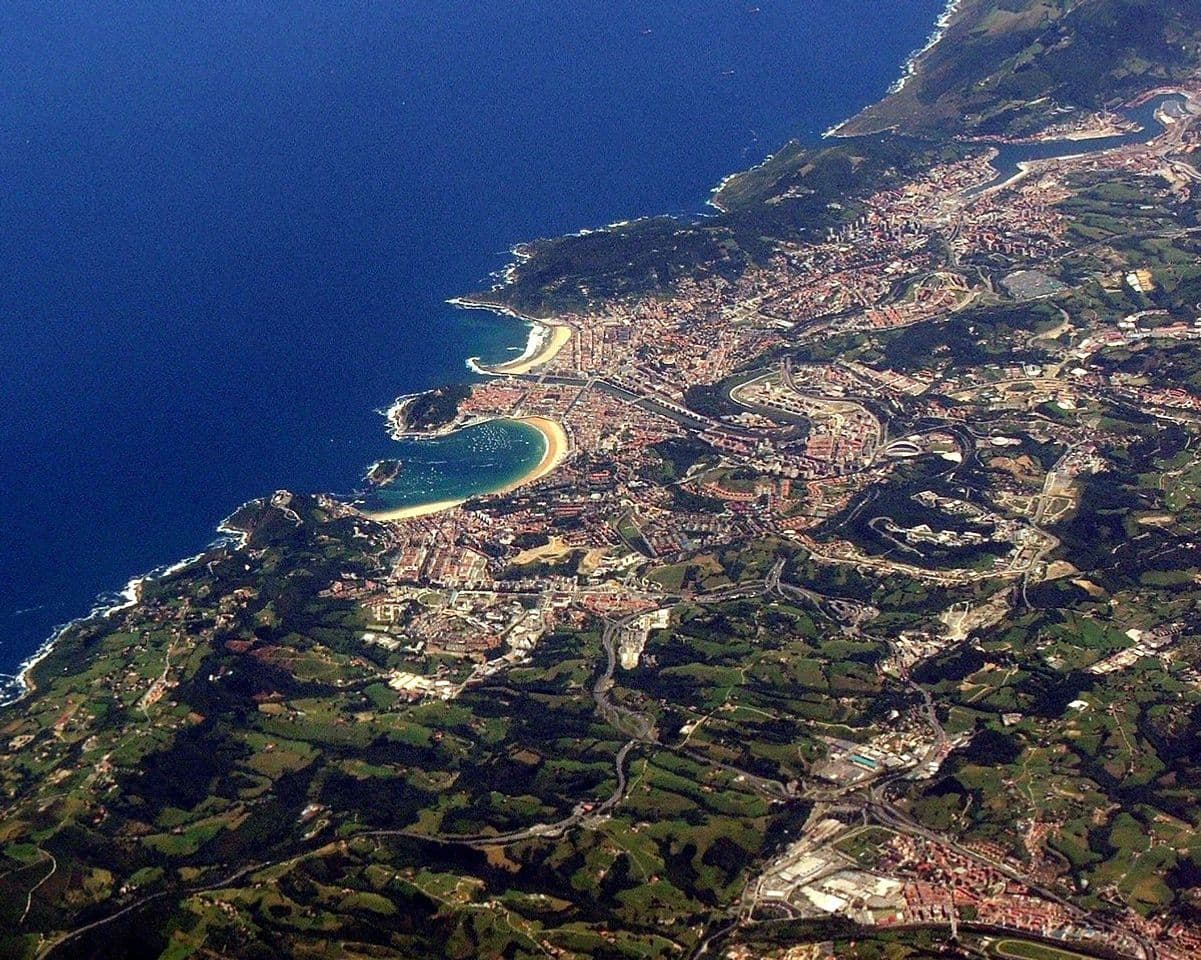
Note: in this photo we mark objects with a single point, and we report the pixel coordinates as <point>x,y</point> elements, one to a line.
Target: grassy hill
<point>1002,65</point>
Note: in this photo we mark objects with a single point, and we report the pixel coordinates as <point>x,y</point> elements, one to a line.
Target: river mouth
<point>1010,156</point>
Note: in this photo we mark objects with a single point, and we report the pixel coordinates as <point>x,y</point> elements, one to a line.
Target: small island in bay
<point>383,473</point>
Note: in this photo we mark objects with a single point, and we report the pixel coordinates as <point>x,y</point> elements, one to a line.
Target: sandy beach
<point>557,445</point>
<point>545,344</point>
<point>415,510</point>
<point>546,337</point>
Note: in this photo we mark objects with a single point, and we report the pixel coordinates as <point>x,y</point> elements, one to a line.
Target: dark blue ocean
<point>227,229</point>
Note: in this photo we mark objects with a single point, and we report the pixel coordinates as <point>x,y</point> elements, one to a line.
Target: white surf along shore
<point>107,605</point>
<point>909,68</point>
<point>546,338</point>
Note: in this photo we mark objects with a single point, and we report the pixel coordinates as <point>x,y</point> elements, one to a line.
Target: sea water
<point>229,228</point>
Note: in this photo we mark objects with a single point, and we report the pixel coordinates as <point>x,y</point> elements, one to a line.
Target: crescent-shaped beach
<point>556,445</point>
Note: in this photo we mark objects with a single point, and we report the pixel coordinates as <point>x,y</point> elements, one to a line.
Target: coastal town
<point>775,449</point>
<point>847,611</point>
<point>607,389</point>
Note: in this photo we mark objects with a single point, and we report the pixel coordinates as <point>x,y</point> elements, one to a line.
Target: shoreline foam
<point>909,68</point>
<point>128,596</point>
<point>545,343</point>
<point>107,604</point>
<point>729,178</point>
<point>546,338</point>
<point>554,434</point>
